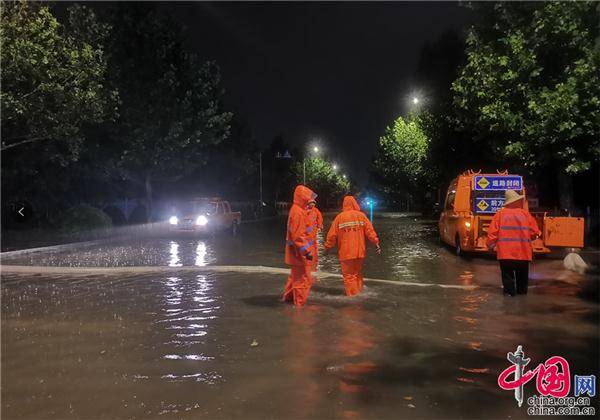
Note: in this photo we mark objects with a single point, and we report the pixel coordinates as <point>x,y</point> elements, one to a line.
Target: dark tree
<point>171,102</point>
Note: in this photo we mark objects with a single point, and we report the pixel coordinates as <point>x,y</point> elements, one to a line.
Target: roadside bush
<point>138,216</point>
<point>83,217</point>
<point>116,215</point>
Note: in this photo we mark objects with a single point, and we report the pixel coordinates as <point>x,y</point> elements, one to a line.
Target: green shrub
<point>83,217</point>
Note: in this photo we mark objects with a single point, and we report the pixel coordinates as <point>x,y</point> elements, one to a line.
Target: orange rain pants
<point>298,285</point>
<point>353,278</point>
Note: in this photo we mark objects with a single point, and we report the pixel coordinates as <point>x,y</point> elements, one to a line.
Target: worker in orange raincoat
<point>511,231</point>
<point>348,232</point>
<point>299,247</point>
<point>316,219</point>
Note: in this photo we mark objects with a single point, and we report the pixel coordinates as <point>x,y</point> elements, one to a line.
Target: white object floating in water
<point>574,262</point>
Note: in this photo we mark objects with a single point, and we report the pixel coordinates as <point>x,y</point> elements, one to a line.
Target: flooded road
<point>221,345</point>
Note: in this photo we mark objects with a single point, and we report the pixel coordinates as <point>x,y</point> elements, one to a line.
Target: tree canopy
<point>531,85</point>
<point>171,103</point>
<point>399,164</point>
<point>322,178</point>
<point>53,76</point>
<point>103,105</point>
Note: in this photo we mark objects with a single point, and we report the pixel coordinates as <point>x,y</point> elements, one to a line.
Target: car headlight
<point>201,220</point>
<point>173,220</point>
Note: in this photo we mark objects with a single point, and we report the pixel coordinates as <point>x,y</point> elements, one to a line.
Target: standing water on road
<point>222,345</point>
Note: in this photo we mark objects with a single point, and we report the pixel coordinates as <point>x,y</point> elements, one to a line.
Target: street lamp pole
<point>304,171</point>
<point>260,176</point>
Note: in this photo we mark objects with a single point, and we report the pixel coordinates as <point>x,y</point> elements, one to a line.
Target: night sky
<point>338,72</point>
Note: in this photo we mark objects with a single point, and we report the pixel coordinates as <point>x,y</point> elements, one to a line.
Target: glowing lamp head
<point>201,220</point>
<point>415,100</point>
<point>173,220</point>
<point>316,149</point>
<point>468,225</point>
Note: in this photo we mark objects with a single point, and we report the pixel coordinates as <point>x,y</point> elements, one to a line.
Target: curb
<point>26,269</point>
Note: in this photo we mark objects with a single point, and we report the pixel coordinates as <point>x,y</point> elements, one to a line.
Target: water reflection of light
<point>473,301</point>
<point>187,357</point>
<point>189,300</point>
<point>201,254</point>
<point>475,370</point>
<point>209,378</point>
<point>466,277</point>
<point>174,294</point>
<point>174,251</point>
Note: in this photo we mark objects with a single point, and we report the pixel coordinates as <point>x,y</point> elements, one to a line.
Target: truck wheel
<point>457,248</point>
<point>234,228</point>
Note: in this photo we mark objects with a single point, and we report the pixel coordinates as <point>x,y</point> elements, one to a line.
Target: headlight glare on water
<point>201,220</point>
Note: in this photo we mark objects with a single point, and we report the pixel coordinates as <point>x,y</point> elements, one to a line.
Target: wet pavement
<point>221,345</point>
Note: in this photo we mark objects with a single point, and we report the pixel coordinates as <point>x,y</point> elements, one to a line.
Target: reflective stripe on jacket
<point>298,236</point>
<point>511,231</point>
<point>349,230</point>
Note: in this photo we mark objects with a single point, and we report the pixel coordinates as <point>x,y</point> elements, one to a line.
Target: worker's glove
<point>378,250</point>
<point>309,256</point>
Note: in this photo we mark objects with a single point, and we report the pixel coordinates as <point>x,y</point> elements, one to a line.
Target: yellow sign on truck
<point>473,199</point>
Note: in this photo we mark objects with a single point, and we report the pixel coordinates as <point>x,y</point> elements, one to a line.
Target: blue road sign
<point>487,205</point>
<point>498,182</point>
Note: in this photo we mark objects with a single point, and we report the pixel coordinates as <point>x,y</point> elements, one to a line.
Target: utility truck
<point>472,200</point>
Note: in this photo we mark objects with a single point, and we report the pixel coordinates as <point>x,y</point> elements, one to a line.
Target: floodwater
<point>222,345</point>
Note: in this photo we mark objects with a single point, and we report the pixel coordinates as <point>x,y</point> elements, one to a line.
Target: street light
<point>316,149</point>
<point>344,176</point>
<point>335,167</point>
<point>415,100</point>
<point>370,202</point>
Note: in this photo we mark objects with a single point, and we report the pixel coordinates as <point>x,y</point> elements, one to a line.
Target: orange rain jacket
<point>319,218</point>
<point>298,237</point>
<point>316,220</point>
<point>511,230</point>
<point>348,231</point>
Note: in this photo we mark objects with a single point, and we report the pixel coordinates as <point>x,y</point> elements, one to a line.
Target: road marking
<point>27,269</point>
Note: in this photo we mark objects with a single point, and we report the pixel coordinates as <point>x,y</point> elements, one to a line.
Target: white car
<point>207,215</point>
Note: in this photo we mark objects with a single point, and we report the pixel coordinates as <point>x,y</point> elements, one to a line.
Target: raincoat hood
<point>350,204</point>
<point>303,195</point>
